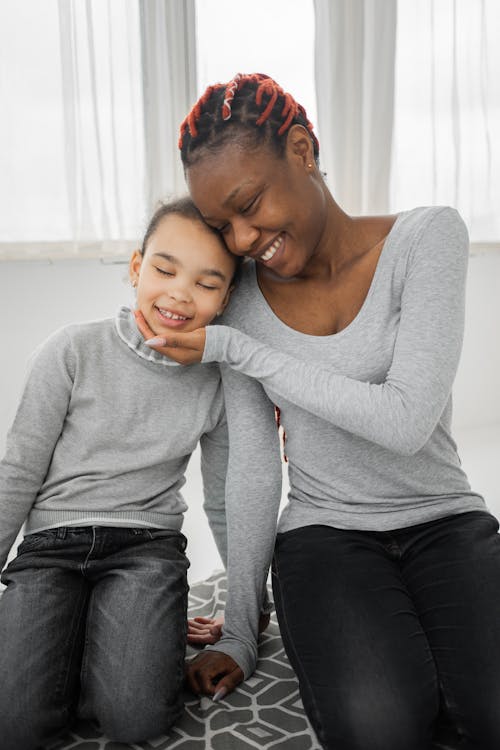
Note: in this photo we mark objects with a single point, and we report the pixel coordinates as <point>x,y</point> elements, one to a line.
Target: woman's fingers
<point>194,341</point>
<point>228,683</point>
<point>213,671</point>
<point>185,348</point>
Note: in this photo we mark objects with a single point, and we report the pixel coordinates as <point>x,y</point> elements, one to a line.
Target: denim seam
<point>62,685</point>
<point>85,656</point>
<point>181,651</point>
<point>452,708</point>
<point>85,562</point>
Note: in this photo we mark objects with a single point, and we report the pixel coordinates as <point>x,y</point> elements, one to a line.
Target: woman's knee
<point>483,729</point>
<point>385,734</point>
<point>370,721</point>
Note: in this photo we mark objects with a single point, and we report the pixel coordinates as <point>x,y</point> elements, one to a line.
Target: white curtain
<point>96,91</point>
<point>169,88</point>
<point>354,60</point>
<point>129,79</point>
<point>103,137</point>
<point>447,116</point>
<point>409,106</point>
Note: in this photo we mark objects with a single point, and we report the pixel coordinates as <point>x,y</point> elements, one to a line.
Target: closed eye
<point>163,272</point>
<point>246,209</point>
<point>207,286</point>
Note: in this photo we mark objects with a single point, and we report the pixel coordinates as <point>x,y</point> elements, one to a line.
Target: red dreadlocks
<point>261,102</point>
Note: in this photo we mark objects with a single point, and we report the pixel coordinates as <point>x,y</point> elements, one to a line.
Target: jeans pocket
<point>172,535</point>
<point>39,540</point>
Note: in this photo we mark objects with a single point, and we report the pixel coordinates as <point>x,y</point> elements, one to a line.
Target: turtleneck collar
<point>129,333</point>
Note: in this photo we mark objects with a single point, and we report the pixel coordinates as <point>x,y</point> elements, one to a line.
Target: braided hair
<point>251,109</point>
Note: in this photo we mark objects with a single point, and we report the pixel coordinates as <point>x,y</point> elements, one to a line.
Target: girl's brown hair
<point>184,207</point>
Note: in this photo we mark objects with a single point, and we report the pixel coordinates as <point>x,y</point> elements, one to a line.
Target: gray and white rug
<point>263,712</point>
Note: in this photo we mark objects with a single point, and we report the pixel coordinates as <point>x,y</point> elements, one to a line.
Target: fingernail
<point>156,341</point>
<point>219,694</point>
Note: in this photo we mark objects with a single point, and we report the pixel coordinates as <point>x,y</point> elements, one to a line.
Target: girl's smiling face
<point>184,278</point>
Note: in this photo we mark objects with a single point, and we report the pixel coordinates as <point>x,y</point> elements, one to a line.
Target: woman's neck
<point>345,239</point>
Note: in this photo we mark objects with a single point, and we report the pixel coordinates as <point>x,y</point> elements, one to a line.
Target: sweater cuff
<point>216,342</point>
<point>245,657</point>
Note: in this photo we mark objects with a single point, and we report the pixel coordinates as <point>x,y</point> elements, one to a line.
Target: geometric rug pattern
<point>264,712</point>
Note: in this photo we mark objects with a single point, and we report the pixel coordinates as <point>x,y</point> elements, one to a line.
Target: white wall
<point>477,392</point>
<point>37,298</point>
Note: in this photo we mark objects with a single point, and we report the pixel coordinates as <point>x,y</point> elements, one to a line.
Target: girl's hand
<point>185,348</point>
<point>203,630</point>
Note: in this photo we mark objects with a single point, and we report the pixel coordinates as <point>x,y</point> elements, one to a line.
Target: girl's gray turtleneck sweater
<point>103,435</point>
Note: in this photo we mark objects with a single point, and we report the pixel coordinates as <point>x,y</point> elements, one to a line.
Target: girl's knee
<point>25,730</point>
<point>135,706</point>
<point>130,728</point>
<point>137,711</point>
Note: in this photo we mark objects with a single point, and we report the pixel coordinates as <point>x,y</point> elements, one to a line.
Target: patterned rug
<point>263,712</point>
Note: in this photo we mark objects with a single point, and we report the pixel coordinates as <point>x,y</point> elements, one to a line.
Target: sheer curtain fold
<point>446,143</point>
<point>354,71</point>
<point>129,77</point>
<point>409,106</point>
<point>169,89</point>
<point>102,87</point>
<point>103,139</point>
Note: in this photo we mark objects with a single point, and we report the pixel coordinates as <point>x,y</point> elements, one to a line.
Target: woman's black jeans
<point>385,629</point>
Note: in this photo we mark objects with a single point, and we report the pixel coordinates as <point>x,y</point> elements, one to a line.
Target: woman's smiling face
<point>267,207</point>
<point>183,280</point>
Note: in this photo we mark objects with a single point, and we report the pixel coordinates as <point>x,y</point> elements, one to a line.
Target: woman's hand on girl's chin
<point>185,348</point>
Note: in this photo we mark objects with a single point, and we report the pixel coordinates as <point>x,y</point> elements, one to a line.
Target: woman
<point>386,563</point>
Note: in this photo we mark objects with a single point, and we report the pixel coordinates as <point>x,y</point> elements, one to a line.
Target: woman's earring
<point>134,283</point>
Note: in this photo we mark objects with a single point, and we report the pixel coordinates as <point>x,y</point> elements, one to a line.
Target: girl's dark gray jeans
<point>95,617</point>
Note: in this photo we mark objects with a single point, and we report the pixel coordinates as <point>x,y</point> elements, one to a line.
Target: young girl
<point>94,612</point>
<point>387,563</point>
